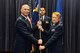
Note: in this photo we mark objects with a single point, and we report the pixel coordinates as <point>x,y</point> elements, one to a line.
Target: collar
<point>55,24</point>
<point>43,16</point>
<point>24,16</point>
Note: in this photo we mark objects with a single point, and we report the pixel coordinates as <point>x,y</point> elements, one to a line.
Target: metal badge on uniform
<point>53,30</point>
<point>19,18</point>
<point>47,22</point>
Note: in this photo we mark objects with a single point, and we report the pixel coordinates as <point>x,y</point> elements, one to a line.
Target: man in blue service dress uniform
<point>24,36</point>
<point>46,25</point>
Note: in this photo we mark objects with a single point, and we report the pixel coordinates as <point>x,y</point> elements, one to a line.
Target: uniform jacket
<point>24,37</point>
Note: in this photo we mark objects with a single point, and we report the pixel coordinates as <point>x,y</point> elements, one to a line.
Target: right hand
<point>41,47</point>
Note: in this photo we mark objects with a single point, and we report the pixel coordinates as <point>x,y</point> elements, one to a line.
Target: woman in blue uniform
<point>55,43</point>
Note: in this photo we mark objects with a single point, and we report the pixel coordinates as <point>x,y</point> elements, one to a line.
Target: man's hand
<point>40,41</point>
<point>40,28</point>
<point>39,23</point>
<point>41,47</point>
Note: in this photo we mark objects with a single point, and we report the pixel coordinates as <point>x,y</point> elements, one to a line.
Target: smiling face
<point>55,17</point>
<point>25,9</point>
<point>42,11</point>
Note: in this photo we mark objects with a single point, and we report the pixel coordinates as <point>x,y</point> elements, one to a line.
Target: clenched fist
<point>41,47</point>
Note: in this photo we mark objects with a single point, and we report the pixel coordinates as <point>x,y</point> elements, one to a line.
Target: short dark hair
<point>43,7</point>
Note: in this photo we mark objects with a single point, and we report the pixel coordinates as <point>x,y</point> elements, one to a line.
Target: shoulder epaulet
<point>60,24</point>
<point>19,18</point>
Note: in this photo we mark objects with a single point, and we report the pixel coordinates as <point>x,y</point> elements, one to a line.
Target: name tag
<point>47,22</point>
<point>53,30</point>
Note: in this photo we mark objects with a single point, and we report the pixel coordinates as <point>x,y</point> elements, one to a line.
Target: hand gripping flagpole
<point>39,19</point>
<point>40,37</point>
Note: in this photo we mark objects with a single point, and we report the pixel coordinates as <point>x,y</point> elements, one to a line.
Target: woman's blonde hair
<point>57,14</point>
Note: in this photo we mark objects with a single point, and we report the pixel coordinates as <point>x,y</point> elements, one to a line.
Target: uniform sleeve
<point>22,28</point>
<point>55,36</point>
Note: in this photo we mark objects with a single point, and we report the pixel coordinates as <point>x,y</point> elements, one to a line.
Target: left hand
<point>39,23</point>
<point>40,41</point>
